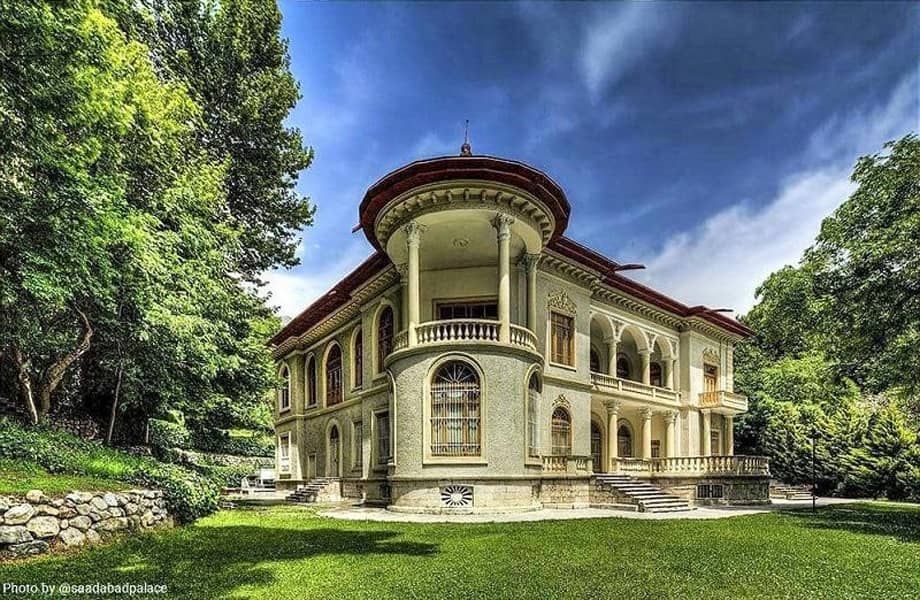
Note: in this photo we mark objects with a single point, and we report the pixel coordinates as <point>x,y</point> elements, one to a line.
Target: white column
<point>611,356</point>
<point>670,419</point>
<point>613,415</point>
<point>707,432</point>
<point>646,366</point>
<point>646,433</point>
<point>502,224</point>
<point>413,240</point>
<point>668,373</point>
<point>529,262</point>
<point>403,270</point>
<point>675,375</point>
<point>729,421</point>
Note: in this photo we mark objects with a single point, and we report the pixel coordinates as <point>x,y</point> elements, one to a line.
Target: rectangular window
<point>486,309</point>
<point>656,448</point>
<point>709,491</point>
<point>358,450</point>
<point>284,453</point>
<point>533,398</point>
<point>383,438</point>
<point>562,335</point>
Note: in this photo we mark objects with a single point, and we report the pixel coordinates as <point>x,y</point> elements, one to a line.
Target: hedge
<point>220,441</point>
<point>189,494</point>
<point>166,434</point>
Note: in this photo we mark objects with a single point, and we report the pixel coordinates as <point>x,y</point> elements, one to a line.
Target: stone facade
<point>572,368</point>
<point>35,523</point>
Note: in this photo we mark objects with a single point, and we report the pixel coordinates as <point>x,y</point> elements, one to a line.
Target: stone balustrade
<point>610,383</point>
<point>694,465</point>
<point>724,401</point>
<point>465,331</point>
<point>573,465</point>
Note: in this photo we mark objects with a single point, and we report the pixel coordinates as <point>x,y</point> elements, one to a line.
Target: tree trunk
<point>108,437</point>
<point>25,384</point>
<point>55,374</point>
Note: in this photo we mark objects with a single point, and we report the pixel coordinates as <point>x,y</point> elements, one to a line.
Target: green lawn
<point>18,477</point>
<point>854,551</point>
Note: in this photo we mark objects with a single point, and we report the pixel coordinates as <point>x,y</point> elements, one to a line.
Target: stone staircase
<point>320,489</point>
<point>644,496</point>
<point>789,492</point>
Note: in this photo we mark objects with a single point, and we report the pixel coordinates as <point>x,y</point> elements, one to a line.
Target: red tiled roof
<point>486,168</point>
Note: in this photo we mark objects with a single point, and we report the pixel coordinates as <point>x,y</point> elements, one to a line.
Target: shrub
<point>251,443</point>
<point>168,434</point>
<point>188,493</point>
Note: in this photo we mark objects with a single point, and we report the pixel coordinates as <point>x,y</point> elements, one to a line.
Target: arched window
<point>311,382</point>
<point>358,353</point>
<point>455,416</point>
<point>654,370</point>
<point>334,375</point>
<point>335,452</point>
<point>533,401</point>
<point>284,392</point>
<point>596,447</point>
<point>595,360</point>
<point>623,371</point>
<point>384,336</point>
<point>624,442</point>
<point>562,432</point>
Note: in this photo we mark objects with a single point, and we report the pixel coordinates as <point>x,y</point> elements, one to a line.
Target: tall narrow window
<point>455,416</point>
<point>358,351</point>
<point>358,449</point>
<point>284,452</point>
<point>284,392</point>
<point>623,371</point>
<point>654,370</point>
<point>595,360</point>
<point>311,382</point>
<point>383,438</point>
<point>334,376</point>
<point>533,401</point>
<point>562,432</point>
<point>624,442</point>
<point>384,336</point>
<point>563,339</point>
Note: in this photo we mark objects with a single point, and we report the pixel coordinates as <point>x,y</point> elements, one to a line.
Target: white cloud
<point>614,42</point>
<point>723,260</point>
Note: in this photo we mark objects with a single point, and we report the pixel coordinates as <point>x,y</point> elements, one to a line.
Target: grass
<point>18,477</point>
<point>849,551</point>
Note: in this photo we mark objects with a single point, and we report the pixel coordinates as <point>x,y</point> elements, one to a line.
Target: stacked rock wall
<point>34,523</point>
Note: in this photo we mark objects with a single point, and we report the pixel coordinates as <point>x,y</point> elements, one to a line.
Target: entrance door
<point>624,442</point>
<point>596,447</point>
<point>334,448</point>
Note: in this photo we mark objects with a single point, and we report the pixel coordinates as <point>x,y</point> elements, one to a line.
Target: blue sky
<point>706,141</point>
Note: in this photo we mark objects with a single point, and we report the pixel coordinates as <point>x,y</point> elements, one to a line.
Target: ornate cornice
<point>559,300</point>
<point>464,194</point>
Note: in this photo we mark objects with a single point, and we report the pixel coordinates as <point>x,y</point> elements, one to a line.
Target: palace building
<point>481,361</point>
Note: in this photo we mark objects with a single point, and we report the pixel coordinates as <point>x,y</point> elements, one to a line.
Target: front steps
<point>320,489</point>
<point>789,492</point>
<point>644,496</point>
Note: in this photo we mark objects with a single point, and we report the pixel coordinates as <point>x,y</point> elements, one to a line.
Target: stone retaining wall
<point>35,523</point>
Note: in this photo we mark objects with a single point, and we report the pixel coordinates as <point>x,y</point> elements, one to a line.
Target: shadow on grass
<point>209,562</point>
<point>890,520</point>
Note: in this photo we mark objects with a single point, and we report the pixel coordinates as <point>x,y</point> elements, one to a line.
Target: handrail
<point>723,399</point>
<point>634,387</point>
<point>465,330</point>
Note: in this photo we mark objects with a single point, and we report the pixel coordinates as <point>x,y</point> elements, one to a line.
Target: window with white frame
<point>334,375</point>
<point>284,392</point>
<point>562,337</point>
<point>358,361</point>
<point>357,449</point>
<point>561,432</point>
<point>455,415</point>
<point>284,452</point>
<point>533,423</point>
<point>385,334</point>
<point>383,437</point>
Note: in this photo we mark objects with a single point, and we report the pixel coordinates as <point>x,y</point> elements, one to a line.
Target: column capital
<point>403,270</point>
<point>671,416</point>
<point>646,414</point>
<point>613,406</point>
<point>502,223</point>
<point>414,231</point>
<point>529,262</point>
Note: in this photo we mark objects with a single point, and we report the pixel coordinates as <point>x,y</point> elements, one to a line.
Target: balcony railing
<point>615,384</point>
<point>465,330</point>
<point>575,465</point>
<point>722,400</point>
<point>694,465</point>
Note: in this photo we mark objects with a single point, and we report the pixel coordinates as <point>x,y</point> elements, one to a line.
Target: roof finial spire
<point>466,149</point>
